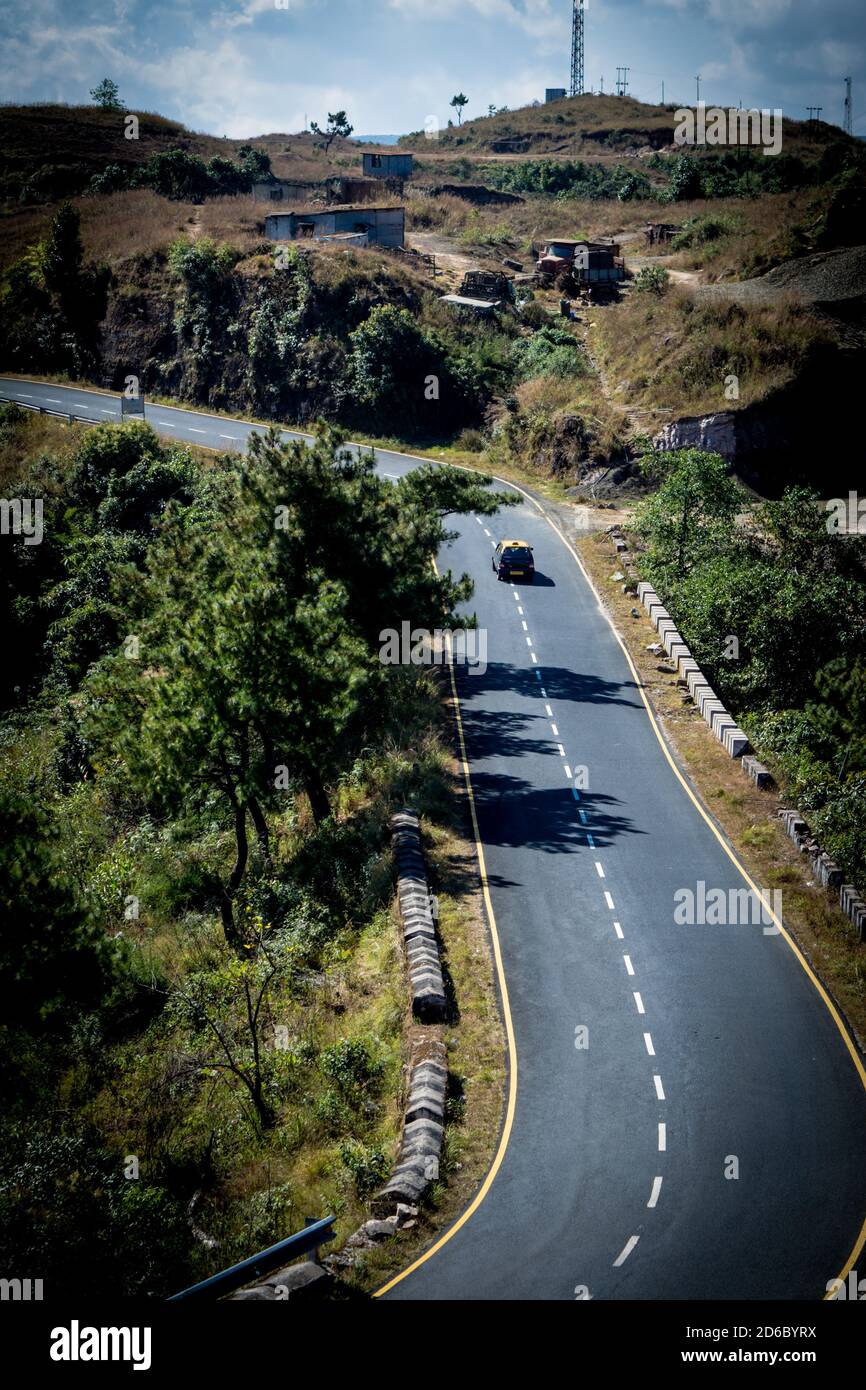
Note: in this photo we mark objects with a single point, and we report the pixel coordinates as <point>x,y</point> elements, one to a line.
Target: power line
<point>814,116</point>
<point>622,81</point>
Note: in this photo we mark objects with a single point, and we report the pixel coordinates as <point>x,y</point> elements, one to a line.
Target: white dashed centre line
<point>524,624</point>
<point>529,641</point>
<point>619,931</point>
<point>639,1002</point>
<point>629,1246</point>
<point>548,711</point>
<point>554,730</point>
<point>628,965</point>
<point>647,1037</point>
<point>193,431</point>
<point>535,659</point>
<point>568,772</point>
<point>654,1195</point>
<point>560,750</point>
<point>582,814</point>
<point>486,532</point>
<point>663,1137</point>
<point>609,900</point>
<point>660,1090</point>
<point>598,869</point>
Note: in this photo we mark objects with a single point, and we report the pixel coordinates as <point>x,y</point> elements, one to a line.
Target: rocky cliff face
<point>714,434</point>
<point>806,432</point>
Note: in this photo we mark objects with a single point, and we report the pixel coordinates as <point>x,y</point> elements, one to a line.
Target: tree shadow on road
<point>578,687</point>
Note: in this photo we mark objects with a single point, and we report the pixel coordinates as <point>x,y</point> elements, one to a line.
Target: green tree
<point>53,959</point>
<point>63,252</point>
<point>107,95</point>
<point>256,162</point>
<point>691,514</point>
<point>839,714</point>
<point>338,124</point>
<point>458,102</point>
<point>685,181</point>
<point>226,1005</point>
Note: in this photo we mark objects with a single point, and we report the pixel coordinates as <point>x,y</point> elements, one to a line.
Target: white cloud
<point>536,17</point>
<point>224,92</point>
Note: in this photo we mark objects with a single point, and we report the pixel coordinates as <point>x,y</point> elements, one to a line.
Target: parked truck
<point>580,266</point>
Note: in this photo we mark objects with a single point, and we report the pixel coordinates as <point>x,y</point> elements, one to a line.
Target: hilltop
<point>54,151</point>
<point>587,127</point>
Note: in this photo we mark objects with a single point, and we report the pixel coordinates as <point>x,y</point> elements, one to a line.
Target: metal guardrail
<point>258,1265</point>
<point>69,415</point>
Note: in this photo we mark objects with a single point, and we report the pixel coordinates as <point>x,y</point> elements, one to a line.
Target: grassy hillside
<point>587,126</point>
<point>54,151</point>
<point>190,297</point>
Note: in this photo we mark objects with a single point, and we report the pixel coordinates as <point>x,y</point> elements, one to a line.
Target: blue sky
<point>247,67</point>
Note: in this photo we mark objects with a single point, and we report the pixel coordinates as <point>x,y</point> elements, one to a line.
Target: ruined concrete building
<point>358,224</point>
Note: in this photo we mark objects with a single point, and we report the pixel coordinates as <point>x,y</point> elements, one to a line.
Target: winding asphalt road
<point>690,1122</point>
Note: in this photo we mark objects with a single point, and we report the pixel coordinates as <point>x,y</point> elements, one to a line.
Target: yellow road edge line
<point>506,1014</point>
<point>512,1050</point>
<point>729,851</point>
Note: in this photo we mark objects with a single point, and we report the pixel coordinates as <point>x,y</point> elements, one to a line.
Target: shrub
<point>552,351</point>
<point>350,1063</point>
<point>368,1166</point>
<point>651,279</point>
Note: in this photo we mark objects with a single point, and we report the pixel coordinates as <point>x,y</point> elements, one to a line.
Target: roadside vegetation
<point>774,611</point>
<point>206,1028</point>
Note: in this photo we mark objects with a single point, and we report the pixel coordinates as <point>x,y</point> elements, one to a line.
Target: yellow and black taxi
<point>513,560</point>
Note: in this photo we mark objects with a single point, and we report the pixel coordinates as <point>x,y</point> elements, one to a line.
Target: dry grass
<point>23,443</point>
<point>764,232</point>
<point>672,353</point>
<point>120,226</point>
<point>476,1052</point>
<point>589,124</point>
<point>517,226</point>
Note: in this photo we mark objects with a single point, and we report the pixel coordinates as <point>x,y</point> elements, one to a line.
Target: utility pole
<point>698,81</point>
<point>577,49</point>
<point>814,115</point>
<point>663,93</point>
<point>601,85</point>
<point>622,82</point>
<point>847,125</point>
